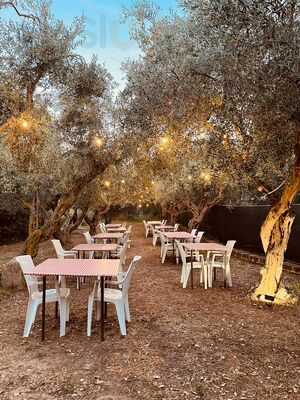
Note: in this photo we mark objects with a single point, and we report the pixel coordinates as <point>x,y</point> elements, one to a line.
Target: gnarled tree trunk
<point>275,233</point>
<point>95,220</point>
<point>198,216</point>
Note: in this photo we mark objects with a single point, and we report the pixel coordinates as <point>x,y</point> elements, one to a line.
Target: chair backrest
<point>27,265</point>
<point>176,226</point>
<point>199,237</point>
<point>88,238</point>
<point>181,252</point>
<point>229,247</point>
<point>128,276</point>
<point>122,253</point>
<point>163,238</point>
<point>194,231</point>
<point>102,228</point>
<point>164,222</point>
<point>129,230</point>
<point>58,248</point>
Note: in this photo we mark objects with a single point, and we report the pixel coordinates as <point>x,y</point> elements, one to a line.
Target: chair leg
<point>30,317</point>
<point>121,317</point>
<point>205,273</point>
<point>228,275</point>
<point>186,277</point>
<point>127,311</point>
<point>62,317</point>
<point>164,254</point>
<point>182,274</point>
<point>68,311</point>
<point>90,315</point>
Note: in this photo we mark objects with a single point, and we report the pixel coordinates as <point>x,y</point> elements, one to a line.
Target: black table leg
<point>192,270</point>
<point>102,308</point>
<point>44,308</point>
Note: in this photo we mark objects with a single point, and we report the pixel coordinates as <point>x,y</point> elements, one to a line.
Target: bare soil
<point>181,344</point>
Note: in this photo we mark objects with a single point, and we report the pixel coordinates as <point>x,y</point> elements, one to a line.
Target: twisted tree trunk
<point>95,220</point>
<point>275,233</point>
<point>198,215</point>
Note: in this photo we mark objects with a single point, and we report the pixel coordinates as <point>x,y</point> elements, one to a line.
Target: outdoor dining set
<point>187,247</point>
<point>100,259</point>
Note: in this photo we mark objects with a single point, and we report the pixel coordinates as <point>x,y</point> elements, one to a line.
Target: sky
<point>107,37</point>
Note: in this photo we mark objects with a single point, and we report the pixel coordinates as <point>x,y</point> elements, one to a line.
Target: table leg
<point>102,308</point>
<point>44,308</point>
<point>192,270</point>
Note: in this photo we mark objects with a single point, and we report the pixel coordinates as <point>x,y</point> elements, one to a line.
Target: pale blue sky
<point>107,37</point>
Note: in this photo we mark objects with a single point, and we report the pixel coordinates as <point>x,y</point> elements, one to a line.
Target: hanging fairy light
<point>98,141</point>
<point>107,184</point>
<point>25,124</point>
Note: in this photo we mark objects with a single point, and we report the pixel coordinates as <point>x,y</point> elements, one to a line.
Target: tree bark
<point>198,216</point>
<point>275,233</point>
<point>94,222</point>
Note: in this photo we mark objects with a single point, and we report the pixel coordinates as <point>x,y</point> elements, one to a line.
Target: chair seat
<point>51,294</point>
<point>196,264</point>
<point>110,295</point>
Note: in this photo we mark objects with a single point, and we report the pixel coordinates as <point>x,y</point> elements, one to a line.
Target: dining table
<point>111,236</point>
<point>84,268</point>
<point>165,227</point>
<point>113,226</point>
<point>104,248</point>
<point>181,236</point>
<point>117,230</point>
<point>206,247</point>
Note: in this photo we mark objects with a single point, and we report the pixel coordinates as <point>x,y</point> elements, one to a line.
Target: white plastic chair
<point>60,252</point>
<point>60,295</point>
<point>102,228</point>
<point>199,264</point>
<point>166,247</point>
<point>146,228</point>
<point>176,226</point>
<point>89,240</point>
<point>118,297</point>
<point>221,261</point>
<point>194,232</point>
<point>155,237</point>
<point>199,236</point>
<point>129,231</point>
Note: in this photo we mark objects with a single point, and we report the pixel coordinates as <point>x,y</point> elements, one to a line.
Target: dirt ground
<point>181,343</point>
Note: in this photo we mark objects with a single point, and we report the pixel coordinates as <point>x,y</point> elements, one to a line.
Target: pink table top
<point>116,229</point>
<point>178,235</point>
<point>205,246</point>
<point>113,225</point>
<point>74,267</point>
<point>154,222</point>
<point>95,247</point>
<point>162,227</point>
<point>108,235</point>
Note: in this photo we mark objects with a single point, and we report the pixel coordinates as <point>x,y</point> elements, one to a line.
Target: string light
<point>25,124</point>
<point>122,181</point>
<point>107,184</point>
<point>164,140</point>
<point>98,141</point>
<point>190,177</point>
